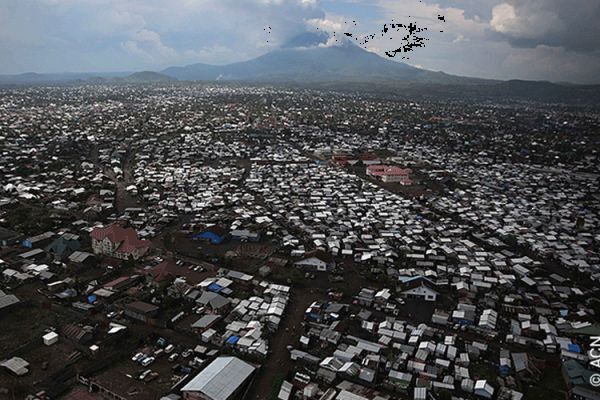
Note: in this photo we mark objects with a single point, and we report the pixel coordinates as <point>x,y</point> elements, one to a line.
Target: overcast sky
<point>556,40</point>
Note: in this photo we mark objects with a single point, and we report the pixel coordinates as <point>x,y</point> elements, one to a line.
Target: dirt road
<point>279,363</point>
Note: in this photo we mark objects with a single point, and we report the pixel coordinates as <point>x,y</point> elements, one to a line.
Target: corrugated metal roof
<point>221,378</point>
<point>8,300</point>
<point>345,395</point>
<point>420,393</point>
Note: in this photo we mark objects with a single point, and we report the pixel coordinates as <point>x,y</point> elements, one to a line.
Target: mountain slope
<point>305,61</point>
<point>32,78</point>
<point>148,77</point>
<point>346,62</point>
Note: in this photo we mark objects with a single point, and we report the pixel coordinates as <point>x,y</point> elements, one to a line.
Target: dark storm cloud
<point>571,24</point>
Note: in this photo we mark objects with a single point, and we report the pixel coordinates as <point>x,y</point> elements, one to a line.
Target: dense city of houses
<point>228,242</point>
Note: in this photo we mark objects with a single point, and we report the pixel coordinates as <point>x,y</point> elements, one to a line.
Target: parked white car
<point>147,361</point>
<point>144,374</point>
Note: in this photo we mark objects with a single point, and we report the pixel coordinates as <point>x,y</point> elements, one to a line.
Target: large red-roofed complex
<point>390,173</point>
<point>116,241</point>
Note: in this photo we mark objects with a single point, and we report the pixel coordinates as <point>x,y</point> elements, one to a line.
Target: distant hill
<point>148,77</point>
<point>32,78</point>
<point>498,91</point>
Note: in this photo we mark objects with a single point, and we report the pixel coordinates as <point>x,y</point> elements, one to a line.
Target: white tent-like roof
<point>221,378</point>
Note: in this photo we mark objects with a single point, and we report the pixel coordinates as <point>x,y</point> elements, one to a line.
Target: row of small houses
<point>418,358</point>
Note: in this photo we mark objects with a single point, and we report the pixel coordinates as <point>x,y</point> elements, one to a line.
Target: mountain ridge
<point>346,62</point>
<point>148,77</point>
<point>308,60</point>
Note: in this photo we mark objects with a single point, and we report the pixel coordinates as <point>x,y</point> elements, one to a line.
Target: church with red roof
<point>118,242</point>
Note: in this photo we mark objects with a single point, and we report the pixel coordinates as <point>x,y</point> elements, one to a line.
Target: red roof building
<point>116,241</point>
<point>390,173</point>
<point>168,270</point>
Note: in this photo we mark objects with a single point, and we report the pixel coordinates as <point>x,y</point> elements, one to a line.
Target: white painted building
<point>423,292</point>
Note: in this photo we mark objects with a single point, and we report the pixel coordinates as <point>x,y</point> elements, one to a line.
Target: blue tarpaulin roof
<point>574,348</point>
<point>233,340</point>
<point>210,236</point>
<point>213,287</point>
